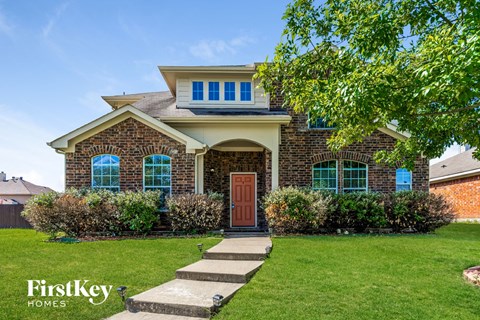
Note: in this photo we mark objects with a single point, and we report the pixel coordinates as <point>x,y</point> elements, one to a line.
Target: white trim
<point>393,131</point>
<point>207,103</point>
<point>255,204</point>
<point>239,149</point>
<point>454,176</point>
<point>280,119</point>
<point>65,143</point>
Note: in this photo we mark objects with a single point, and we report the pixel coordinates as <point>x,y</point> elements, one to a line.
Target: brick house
<point>458,180</point>
<point>214,130</point>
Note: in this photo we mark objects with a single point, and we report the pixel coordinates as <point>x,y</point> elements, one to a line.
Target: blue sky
<point>58,57</point>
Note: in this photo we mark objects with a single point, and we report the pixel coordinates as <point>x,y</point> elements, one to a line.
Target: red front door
<point>243,199</point>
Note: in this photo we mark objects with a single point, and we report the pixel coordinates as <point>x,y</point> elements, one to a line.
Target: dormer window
<point>197,91</point>
<point>229,91</point>
<point>245,91</point>
<point>214,91</point>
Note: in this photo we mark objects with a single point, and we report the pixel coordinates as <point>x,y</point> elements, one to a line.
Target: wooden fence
<point>10,216</point>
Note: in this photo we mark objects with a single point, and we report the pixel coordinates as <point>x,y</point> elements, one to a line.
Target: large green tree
<point>363,64</point>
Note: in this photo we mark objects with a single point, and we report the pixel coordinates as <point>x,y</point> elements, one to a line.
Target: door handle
<point>233,205</point>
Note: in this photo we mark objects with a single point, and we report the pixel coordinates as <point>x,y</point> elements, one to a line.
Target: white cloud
<point>47,29</point>
<point>5,26</point>
<point>24,153</point>
<point>211,50</point>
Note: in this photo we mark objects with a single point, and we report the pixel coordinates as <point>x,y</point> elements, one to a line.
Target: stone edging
<point>472,275</point>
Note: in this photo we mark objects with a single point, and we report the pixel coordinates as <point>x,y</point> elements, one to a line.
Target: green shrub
<point>77,212</point>
<point>138,210</point>
<point>358,210</point>
<point>294,210</point>
<point>420,211</point>
<point>195,213</point>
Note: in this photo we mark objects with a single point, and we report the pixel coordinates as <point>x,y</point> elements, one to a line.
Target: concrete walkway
<point>224,269</point>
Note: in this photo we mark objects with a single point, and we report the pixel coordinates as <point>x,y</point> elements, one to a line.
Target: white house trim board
<point>459,175</point>
<point>67,142</point>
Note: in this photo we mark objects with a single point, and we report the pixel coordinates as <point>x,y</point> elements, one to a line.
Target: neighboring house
<point>17,190</point>
<point>214,130</point>
<point>458,179</point>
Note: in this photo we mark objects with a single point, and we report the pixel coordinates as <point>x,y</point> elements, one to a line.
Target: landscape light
<point>217,300</point>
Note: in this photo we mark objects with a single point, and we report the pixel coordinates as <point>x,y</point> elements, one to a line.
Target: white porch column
<point>199,173</point>
<point>275,167</point>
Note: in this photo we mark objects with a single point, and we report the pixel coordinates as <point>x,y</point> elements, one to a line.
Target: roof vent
<point>3,176</point>
<point>444,166</point>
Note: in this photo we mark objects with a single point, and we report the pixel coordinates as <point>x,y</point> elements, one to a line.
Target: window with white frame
<point>325,176</point>
<point>403,179</point>
<point>157,174</point>
<point>197,90</point>
<point>213,90</point>
<point>229,91</point>
<point>106,172</point>
<point>355,176</point>
<point>245,91</point>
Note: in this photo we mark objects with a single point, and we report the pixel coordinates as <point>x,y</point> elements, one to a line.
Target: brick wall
<point>302,147</point>
<point>463,194</point>
<point>218,179</point>
<point>131,140</point>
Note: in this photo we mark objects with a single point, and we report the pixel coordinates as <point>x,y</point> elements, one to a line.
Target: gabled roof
<point>18,186</point>
<point>459,166</point>
<point>67,142</point>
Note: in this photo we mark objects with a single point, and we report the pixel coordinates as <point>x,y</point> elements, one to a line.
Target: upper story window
<point>197,90</point>
<point>355,176</point>
<point>106,172</point>
<point>245,91</point>
<point>229,91</point>
<point>325,176</point>
<point>403,179</point>
<point>318,123</point>
<point>214,91</point>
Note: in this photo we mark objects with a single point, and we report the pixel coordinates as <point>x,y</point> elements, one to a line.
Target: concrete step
<point>127,315</point>
<point>239,248</point>
<point>183,298</point>
<point>220,270</point>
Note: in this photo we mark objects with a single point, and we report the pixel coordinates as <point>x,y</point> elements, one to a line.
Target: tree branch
<point>471,107</point>
<point>439,13</point>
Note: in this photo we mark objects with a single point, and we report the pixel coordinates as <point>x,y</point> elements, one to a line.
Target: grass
<point>365,277</point>
<point>318,277</point>
<point>137,264</point>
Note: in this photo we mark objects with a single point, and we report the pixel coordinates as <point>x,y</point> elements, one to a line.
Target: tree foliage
<point>365,64</point>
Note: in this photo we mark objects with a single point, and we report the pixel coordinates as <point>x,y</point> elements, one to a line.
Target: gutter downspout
<point>197,173</point>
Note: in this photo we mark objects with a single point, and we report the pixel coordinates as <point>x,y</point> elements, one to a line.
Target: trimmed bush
<point>138,210</point>
<point>358,210</point>
<point>419,211</point>
<point>294,210</point>
<point>195,213</point>
<point>77,212</point>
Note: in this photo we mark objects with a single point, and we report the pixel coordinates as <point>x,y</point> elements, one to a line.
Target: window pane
<point>354,176</point>
<point>106,171</point>
<point>403,179</point>
<point>229,91</point>
<point>318,123</point>
<point>213,91</point>
<point>197,92</point>
<point>245,91</point>
<point>325,176</point>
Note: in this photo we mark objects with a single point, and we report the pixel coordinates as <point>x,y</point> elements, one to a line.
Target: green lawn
<point>326,277</point>
<point>138,264</point>
<point>365,277</point>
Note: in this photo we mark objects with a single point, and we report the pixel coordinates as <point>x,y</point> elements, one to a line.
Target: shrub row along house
<point>214,130</point>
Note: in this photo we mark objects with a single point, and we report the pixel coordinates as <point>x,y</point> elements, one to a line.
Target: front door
<point>243,208</point>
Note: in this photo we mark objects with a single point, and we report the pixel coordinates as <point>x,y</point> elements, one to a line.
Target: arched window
<point>157,174</point>
<point>403,179</point>
<point>106,172</point>
<point>325,176</point>
<point>355,176</point>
